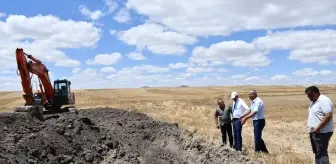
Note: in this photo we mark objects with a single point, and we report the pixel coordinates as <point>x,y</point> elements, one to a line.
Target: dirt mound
<point>104,136</point>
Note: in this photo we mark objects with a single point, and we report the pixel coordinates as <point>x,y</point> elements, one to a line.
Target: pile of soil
<point>104,135</point>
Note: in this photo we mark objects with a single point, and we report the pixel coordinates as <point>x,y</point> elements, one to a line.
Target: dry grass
<point>192,108</point>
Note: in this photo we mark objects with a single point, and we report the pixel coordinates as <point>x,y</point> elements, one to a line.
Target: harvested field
<point>104,136</point>
<point>192,108</point>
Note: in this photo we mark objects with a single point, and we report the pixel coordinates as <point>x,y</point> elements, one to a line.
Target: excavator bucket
<point>33,111</point>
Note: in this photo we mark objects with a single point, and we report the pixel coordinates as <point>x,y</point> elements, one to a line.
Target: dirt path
<point>104,136</point>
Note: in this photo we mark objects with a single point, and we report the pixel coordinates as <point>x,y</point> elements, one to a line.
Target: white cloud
<point>43,37</point>
<point>306,72</point>
<point>309,76</point>
<point>169,28</point>
<point>9,83</point>
<point>122,16</point>
<point>49,31</point>
<point>94,15</point>
<point>87,78</point>
<point>236,53</point>
<point>238,76</point>
<point>186,75</point>
<point>7,71</point>
<point>203,63</point>
<point>67,63</point>
<point>144,69</point>
<point>2,14</point>
<point>12,82</point>
<point>145,75</point>
<point>199,70</point>
<point>256,69</point>
<point>108,70</point>
<point>105,59</point>
<point>127,75</point>
<point>136,56</point>
<point>178,65</point>
<point>223,17</point>
<point>156,38</point>
<point>99,13</point>
<point>252,79</point>
<point>280,78</point>
<point>307,46</point>
<point>113,32</point>
<point>111,4</point>
<point>222,70</point>
<point>151,75</point>
<point>76,70</point>
<point>325,72</point>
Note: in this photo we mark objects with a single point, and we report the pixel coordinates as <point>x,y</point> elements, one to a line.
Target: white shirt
<point>317,111</point>
<point>257,105</point>
<point>239,109</point>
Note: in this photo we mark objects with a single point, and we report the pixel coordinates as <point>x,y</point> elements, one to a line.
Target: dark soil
<point>104,136</point>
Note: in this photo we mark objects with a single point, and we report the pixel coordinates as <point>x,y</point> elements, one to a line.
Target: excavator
<point>49,99</point>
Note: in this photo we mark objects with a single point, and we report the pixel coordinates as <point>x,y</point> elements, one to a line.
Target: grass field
<point>285,110</point>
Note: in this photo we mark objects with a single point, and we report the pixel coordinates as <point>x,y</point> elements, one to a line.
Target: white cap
<point>234,94</point>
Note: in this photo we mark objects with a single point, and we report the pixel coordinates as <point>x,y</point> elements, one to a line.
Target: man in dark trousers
<point>320,123</point>
<point>257,113</point>
<point>239,109</point>
<point>224,117</point>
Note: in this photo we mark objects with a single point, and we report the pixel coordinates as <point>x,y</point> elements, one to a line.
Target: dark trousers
<point>259,144</point>
<point>227,129</point>
<point>319,143</point>
<point>237,128</point>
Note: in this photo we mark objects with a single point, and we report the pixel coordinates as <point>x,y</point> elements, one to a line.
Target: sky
<point>161,43</point>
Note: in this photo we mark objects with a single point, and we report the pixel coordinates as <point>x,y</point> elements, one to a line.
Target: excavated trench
<point>104,136</point>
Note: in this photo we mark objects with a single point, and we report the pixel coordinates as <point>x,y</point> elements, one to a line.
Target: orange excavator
<point>49,98</point>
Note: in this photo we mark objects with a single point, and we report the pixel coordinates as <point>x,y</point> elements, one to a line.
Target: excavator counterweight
<point>49,98</point>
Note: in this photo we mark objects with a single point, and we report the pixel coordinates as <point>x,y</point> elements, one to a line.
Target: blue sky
<point>229,44</point>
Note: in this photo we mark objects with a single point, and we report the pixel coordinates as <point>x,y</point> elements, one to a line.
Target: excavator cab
<point>63,94</point>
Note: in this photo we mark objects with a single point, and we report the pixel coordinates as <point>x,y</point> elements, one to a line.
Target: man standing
<point>320,123</point>
<point>224,116</point>
<point>257,112</point>
<point>239,108</point>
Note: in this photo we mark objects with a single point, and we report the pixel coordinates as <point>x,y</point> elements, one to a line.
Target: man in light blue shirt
<point>257,115</point>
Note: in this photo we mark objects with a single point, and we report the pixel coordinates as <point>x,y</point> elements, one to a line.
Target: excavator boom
<point>22,65</point>
<point>39,69</point>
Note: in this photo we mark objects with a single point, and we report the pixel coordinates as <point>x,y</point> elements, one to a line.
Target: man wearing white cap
<point>239,108</point>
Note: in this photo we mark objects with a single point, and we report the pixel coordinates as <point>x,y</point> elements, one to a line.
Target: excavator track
<point>61,110</point>
<point>38,111</point>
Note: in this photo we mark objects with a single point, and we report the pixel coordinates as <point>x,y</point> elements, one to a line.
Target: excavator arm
<point>36,67</point>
